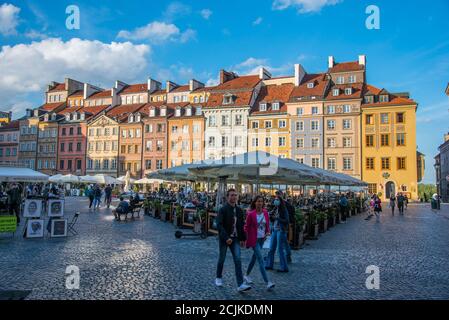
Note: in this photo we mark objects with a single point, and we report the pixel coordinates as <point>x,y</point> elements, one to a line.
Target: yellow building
<point>269,121</point>
<point>5,117</point>
<point>389,143</point>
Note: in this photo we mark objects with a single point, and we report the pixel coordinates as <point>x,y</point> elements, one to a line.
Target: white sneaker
<point>270,285</point>
<point>248,280</point>
<point>219,282</point>
<point>244,287</point>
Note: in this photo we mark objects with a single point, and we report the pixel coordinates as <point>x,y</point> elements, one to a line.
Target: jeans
<point>235,250</point>
<point>97,202</point>
<point>401,208</point>
<point>257,255</point>
<point>91,200</point>
<point>288,250</point>
<point>277,242</point>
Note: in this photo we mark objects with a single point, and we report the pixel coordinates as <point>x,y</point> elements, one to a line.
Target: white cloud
<point>158,32</point>
<point>176,10</point>
<point>28,68</point>
<point>257,21</point>
<point>206,13</point>
<point>212,82</point>
<point>304,6</point>
<point>9,19</point>
<point>253,65</point>
<point>33,34</point>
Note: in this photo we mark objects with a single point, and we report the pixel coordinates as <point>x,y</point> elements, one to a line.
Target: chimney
<point>264,74</point>
<point>299,74</point>
<point>153,85</point>
<point>89,90</point>
<point>331,63</point>
<point>170,86</point>
<point>195,84</point>
<point>362,60</point>
<point>226,76</point>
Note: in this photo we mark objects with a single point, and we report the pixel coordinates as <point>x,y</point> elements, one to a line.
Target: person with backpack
<point>15,200</point>
<point>97,197</point>
<point>401,201</point>
<point>108,195</point>
<point>90,195</point>
<point>344,204</point>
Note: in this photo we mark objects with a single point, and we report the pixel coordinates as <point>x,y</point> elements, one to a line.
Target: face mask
<point>277,203</point>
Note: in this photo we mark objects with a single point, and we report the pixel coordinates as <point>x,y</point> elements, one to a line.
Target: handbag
<point>266,244</point>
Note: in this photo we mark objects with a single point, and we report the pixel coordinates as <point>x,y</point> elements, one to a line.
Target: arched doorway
<point>389,189</point>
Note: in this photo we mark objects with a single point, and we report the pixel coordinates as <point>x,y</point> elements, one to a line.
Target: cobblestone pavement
<point>143,260</point>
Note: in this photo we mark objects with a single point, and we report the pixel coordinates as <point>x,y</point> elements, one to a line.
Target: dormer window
<point>198,111</point>
<point>195,100</point>
<point>352,79</point>
<point>263,107</point>
<point>131,118</point>
<point>340,80</point>
<point>163,112</point>
<point>228,99</point>
<point>348,91</point>
<point>53,116</point>
<point>310,85</point>
<point>178,112</point>
<point>36,113</point>
<point>369,99</point>
<point>82,116</point>
<point>275,106</point>
<point>46,117</point>
<point>189,112</point>
<point>75,116</point>
<point>384,98</point>
<point>138,117</point>
<point>67,117</point>
<point>336,92</point>
<point>201,99</point>
<point>152,112</point>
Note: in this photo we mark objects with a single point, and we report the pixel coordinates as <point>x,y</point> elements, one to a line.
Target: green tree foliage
<point>425,191</point>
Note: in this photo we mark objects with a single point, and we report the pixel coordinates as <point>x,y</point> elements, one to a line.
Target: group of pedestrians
<point>375,205</point>
<point>94,193</point>
<point>401,201</point>
<point>236,233</point>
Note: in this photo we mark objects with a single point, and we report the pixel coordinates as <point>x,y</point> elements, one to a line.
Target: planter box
<point>314,232</point>
<point>163,215</point>
<point>323,226</point>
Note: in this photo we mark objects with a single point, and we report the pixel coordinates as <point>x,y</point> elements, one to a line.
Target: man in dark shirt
<point>401,200</point>
<point>108,195</point>
<point>230,224</point>
<point>122,208</point>
<point>15,199</point>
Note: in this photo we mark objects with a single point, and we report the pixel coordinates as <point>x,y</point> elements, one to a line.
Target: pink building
<point>9,142</point>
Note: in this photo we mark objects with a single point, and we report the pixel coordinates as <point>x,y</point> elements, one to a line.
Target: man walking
<point>230,224</point>
<point>15,199</point>
<point>401,200</point>
<point>392,203</point>
<point>291,218</point>
<point>343,207</point>
<point>108,195</point>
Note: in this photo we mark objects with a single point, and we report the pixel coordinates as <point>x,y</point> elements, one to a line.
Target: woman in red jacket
<point>257,228</point>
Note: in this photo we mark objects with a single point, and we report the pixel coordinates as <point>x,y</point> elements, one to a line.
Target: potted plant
<point>313,225</point>
<point>178,217</point>
<point>322,221</point>
<point>300,221</point>
<point>147,206</point>
<point>198,219</point>
<point>331,215</point>
<point>157,209</point>
<point>164,211</point>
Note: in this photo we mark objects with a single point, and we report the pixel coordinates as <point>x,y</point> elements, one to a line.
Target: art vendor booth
<point>314,193</point>
<point>40,212</point>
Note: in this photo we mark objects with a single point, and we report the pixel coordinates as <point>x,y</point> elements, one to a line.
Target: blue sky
<point>179,40</point>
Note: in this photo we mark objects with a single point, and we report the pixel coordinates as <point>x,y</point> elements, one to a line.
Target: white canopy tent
<point>55,178</point>
<point>148,181</point>
<point>100,179</point>
<point>10,174</point>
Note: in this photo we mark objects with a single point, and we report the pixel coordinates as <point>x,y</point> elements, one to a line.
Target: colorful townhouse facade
<point>5,117</point>
<point>9,142</point>
<point>390,163</point>
<point>226,114</point>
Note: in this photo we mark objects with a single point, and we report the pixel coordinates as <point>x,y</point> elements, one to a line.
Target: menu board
<point>8,224</point>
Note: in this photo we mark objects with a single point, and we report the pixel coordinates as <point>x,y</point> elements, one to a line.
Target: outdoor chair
<point>71,225</point>
<point>136,211</point>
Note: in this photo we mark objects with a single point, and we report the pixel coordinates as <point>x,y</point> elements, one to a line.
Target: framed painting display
<point>58,228</point>
<point>56,208</point>
<point>32,208</point>
<point>35,228</point>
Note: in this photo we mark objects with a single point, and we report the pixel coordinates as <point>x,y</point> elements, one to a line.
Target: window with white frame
<point>275,106</point>
<point>299,111</point>
<point>282,141</point>
<point>300,143</point>
<point>211,142</point>
<point>314,110</point>
<point>212,121</point>
<point>300,160</point>
<point>310,85</point>
<point>196,145</point>
<point>185,128</point>
<point>195,99</point>
<point>196,127</point>
<point>163,112</point>
<point>315,162</point>
<point>347,142</point>
<point>347,163</point>
<point>299,125</point>
<point>330,109</point>
<point>347,108</point>
<point>336,92</point>
<point>352,79</point>
<point>315,143</point>
<point>198,111</point>
<point>255,142</point>
<point>331,143</point>
<point>262,107</point>
<point>348,91</point>
<point>347,124</point>
<point>267,142</point>
<point>314,125</point>
<point>238,141</point>
<point>331,164</point>
<point>178,112</point>
<point>282,124</point>
<point>225,141</point>
<point>331,124</point>
<point>255,125</point>
<point>238,120</point>
<point>340,80</point>
<point>228,99</point>
<point>225,120</point>
<point>268,124</point>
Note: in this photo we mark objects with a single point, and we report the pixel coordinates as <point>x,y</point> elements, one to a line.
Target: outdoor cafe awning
<point>10,174</point>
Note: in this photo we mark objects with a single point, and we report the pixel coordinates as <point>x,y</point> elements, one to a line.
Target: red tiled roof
<point>369,89</point>
<point>94,110</point>
<point>135,88</point>
<point>101,94</point>
<point>181,89</point>
<point>51,106</point>
<point>205,89</point>
<point>123,109</point>
<point>320,84</point>
<point>394,99</point>
<point>243,82</point>
<point>159,92</point>
<point>357,91</point>
<point>347,67</point>
<point>70,110</point>
<point>170,107</point>
<point>274,93</point>
<point>242,98</point>
<point>58,87</point>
